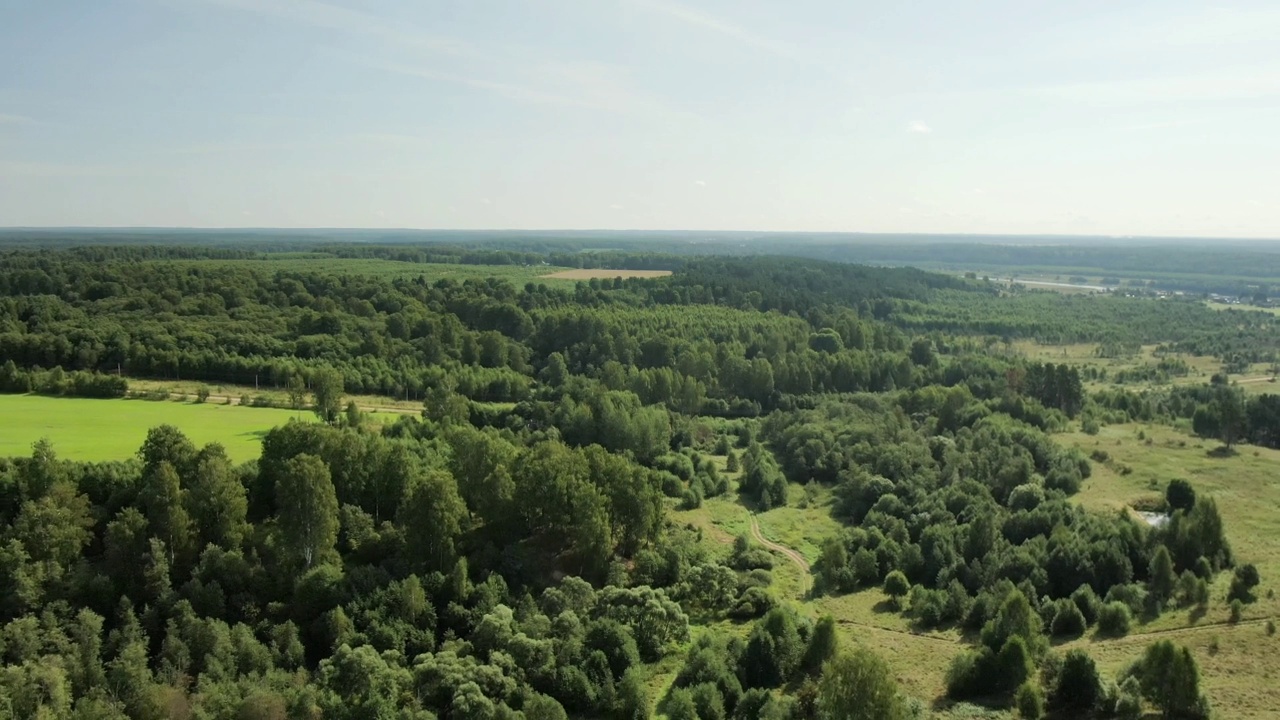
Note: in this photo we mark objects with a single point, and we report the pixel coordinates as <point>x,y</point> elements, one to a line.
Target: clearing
<point>1239,663</point>
<point>100,430</point>
<point>601,273</point>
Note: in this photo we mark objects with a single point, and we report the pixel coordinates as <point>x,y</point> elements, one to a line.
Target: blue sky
<point>1018,116</point>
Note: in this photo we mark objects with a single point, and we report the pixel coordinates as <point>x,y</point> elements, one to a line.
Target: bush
<point>1237,610</point>
<point>202,394</point>
<point>971,674</point>
<point>1029,700</point>
<point>1079,689</point>
<point>896,586</point>
<point>1179,495</point>
<point>1114,619</point>
<point>1087,600</point>
<point>1069,621</point>
<point>1243,582</point>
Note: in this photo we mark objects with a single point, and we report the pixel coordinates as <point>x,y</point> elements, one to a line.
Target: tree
<point>1179,495</point>
<point>896,586</point>
<point>1162,578</point>
<point>633,696</point>
<point>432,517</point>
<point>327,387</point>
<point>297,389</point>
<point>680,705</point>
<point>446,406</point>
<point>307,509</point>
<point>823,645</point>
<point>1029,700</point>
<point>859,686</point>
<point>216,500</point>
<point>165,443</point>
<point>1243,581</point>
<point>1170,680</point>
<point>1114,619</point>
<point>167,515</point>
<point>1079,690</point>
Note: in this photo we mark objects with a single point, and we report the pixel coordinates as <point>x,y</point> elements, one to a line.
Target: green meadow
<point>98,430</point>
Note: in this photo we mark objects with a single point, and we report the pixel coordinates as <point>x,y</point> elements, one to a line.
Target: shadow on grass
<point>1222,451</point>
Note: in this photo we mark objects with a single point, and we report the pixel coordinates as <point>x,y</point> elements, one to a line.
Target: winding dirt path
<point>786,552</point>
<point>795,557</point>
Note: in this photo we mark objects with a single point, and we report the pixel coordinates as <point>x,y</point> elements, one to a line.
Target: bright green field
<point>97,430</point>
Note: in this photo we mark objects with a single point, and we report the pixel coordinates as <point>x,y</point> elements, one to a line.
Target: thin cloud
<point>65,170</point>
<point>511,91</point>
<point>700,183</point>
<point>587,86</point>
<point>700,19</point>
<point>918,127</point>
<point>343,19</point>
<point>8,119</point>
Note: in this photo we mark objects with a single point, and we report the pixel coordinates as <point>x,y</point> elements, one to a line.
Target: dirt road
<point>787,552</point>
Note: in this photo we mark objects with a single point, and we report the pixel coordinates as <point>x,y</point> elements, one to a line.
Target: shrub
<point>1237,610</point>
<point>1029,700</point>
<point>1079,688</point>
<point>971,674</point>
<point>1087,600</point>
<point>202,394</point>
<point>896,586</point>
<point>1179,495</point>
<point>1243,582</point>
<point>1114,619</point>
<point>1271,627</point>
<point>1069,621</point>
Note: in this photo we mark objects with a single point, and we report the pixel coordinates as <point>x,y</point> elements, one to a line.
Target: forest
<point>510,551</point>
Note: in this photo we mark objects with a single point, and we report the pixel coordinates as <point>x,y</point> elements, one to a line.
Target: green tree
<point>858,685</point>
<point>1170,679</point>
<point>633,696</point>
<point>307,509</point>
<point>1162,578</point>
<point>166,443</point>
<point>1029,700</point>
<point>1079,690</point>
<point>164,499</point>
<point>1179,495</point>
<point>432,516</point>
<point>327,387</point>
<point>823,645</point>
<point>297,389</point>
<point>896,586</point>
<point>216,500</point>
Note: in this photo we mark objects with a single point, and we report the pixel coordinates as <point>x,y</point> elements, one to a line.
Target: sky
<point>1106,117</point>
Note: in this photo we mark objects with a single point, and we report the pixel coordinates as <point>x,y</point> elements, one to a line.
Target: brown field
<point>602,273</point>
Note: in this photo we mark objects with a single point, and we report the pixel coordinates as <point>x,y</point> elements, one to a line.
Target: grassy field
<point>865,618</point>
<point>392,269</point>
<point>1242,308</point>
<point>592,273</point>
<point>1203,367</point>
<point>517,274</point>
<point>97,430</point>
<point>1239,663</point>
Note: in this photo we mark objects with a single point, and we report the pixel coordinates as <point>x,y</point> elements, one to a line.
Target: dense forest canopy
<point>510,552</point>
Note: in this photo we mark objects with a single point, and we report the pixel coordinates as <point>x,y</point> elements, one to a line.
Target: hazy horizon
<point>1093,119</point>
